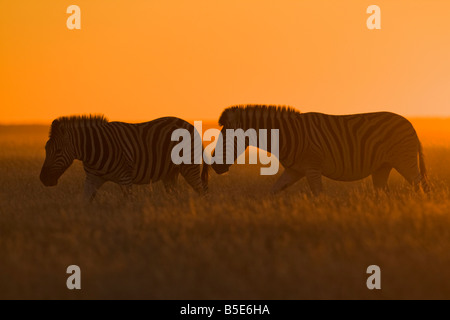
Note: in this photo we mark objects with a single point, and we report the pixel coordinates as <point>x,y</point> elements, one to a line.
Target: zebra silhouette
<point>120,152</point>
<point>343,148</point>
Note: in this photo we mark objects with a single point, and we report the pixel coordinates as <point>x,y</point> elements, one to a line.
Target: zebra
<point>340,147</point>
<point>120,152</point>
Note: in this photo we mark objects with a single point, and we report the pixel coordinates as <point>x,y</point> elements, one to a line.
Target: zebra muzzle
<point>47,179</point>
<point>220,169</point>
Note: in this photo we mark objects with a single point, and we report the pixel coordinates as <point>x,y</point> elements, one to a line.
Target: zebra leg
<point>126,190</point>
<point>380,177</point>
<point>411,173</point>
<point>287,178</point>
<point>424,182</point>
<point>170,183</point>
<point>91,185</point>
<point>191,173</point>
<point>314,177</point>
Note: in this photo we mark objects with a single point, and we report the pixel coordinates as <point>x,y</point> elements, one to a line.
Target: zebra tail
<point>205,175</point>
<point>423,170</point>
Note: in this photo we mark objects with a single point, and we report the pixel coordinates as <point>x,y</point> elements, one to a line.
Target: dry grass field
<point>238,243</point>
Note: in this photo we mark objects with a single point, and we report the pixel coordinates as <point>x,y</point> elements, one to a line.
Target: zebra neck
<point>259,123</point>
<point>262,128</point>
<point>85,140</point>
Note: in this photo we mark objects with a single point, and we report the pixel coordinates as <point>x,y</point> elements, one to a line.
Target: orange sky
<point>139,60</point>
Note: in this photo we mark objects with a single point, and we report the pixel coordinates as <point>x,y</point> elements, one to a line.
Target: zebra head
<point>59,154</point>
<point>222,167</point>
<point>227,149</point>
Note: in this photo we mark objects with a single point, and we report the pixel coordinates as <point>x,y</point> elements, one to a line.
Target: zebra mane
<point>76,121</point>
<point>271,110</point>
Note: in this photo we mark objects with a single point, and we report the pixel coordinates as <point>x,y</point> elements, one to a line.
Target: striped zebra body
<point>120,152</point>
<point>344,148</point>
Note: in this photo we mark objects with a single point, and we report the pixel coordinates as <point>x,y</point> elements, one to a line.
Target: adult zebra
<point>344,148</point>
<point>121,152</point>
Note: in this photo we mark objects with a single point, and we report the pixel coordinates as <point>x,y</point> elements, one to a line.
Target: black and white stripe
<point>344,147</point>
<point>121,152</point>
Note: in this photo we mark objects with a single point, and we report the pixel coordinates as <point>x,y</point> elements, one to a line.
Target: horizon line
<point>46,123</point>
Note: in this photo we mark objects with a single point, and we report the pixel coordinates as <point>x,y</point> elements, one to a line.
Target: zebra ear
<point>56,128</point>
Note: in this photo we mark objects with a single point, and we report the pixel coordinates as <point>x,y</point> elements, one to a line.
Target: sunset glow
<point>191,59</point>
<point>224,155</point>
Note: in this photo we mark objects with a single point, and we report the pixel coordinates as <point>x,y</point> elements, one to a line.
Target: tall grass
<point>237,243</point>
